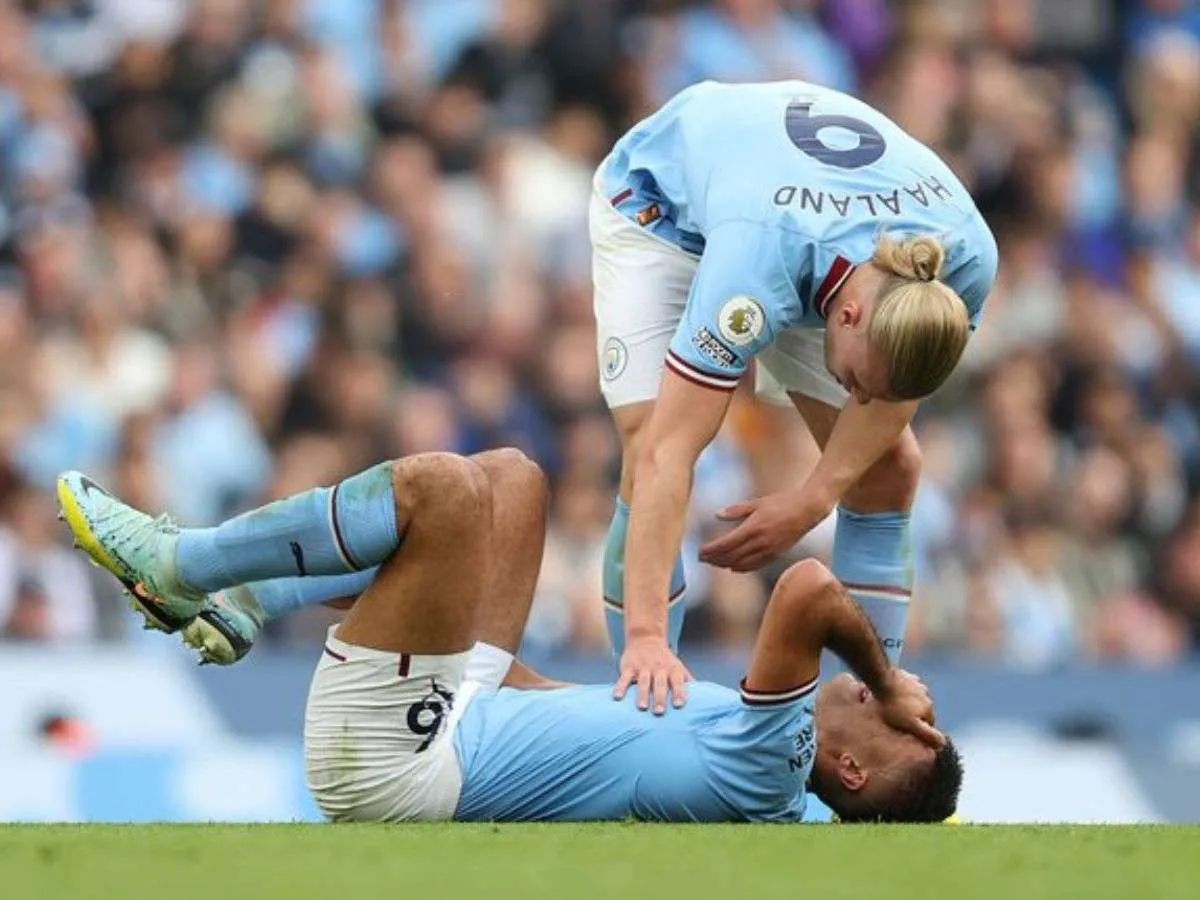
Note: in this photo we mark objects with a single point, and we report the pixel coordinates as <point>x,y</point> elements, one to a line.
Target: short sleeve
<point>759,756</point>
<point>974,278</point>
<point>743,295</point>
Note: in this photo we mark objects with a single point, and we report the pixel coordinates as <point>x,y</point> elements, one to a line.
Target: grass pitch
<point>614,862</point>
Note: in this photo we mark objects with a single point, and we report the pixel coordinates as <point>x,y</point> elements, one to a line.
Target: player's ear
<point>850,773</point>
<point>849,313</point>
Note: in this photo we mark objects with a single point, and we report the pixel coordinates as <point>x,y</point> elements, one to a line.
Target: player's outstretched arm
<point>686,417</point>
<point>772,524</point>
<point>809,611</point>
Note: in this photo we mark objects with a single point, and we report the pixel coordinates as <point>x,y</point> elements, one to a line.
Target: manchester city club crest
<point>615,358</point>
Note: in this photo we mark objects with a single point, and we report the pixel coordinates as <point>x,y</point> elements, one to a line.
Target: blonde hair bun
<point>917,258</point>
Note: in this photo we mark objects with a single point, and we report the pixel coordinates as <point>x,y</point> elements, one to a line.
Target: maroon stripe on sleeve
<point>698,378</point>
<point>776,698</point>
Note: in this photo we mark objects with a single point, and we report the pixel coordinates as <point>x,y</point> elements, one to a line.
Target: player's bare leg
<point>520,498</point>
<point>630,421</point>
<point>226,629</point>
<point>430,594</point>
<point>431,498</point>
<point>231,618</point>
<point>519,506</point>
<point>519,495</point>
<point>425,597</point>
<point>872,550</point>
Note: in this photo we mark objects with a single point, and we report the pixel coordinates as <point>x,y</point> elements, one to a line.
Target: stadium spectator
<point>246,246</point>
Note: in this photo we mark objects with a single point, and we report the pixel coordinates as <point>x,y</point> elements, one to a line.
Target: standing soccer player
<point>799,226</point>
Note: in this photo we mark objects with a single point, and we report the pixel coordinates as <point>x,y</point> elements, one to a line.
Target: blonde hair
<point>920,325</point>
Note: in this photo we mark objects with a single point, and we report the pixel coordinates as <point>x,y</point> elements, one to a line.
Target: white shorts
<point>641,283</point>
<point>795,362</point>
<point>379,731</point>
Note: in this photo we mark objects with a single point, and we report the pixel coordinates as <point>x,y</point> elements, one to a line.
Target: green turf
<point>615,862</point>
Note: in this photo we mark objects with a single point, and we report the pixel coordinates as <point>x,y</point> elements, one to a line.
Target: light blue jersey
<point>576,754</point>
<point>781,189</point>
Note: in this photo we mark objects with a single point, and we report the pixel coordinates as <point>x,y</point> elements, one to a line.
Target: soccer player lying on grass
<point>418,709</point>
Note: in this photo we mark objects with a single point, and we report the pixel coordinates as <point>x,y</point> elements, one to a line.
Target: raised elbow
<point>806,585</point>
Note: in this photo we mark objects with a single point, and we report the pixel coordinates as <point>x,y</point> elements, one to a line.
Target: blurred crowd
<point>247,246</point>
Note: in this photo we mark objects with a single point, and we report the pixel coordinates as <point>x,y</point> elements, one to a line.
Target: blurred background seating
<point>248,246</point>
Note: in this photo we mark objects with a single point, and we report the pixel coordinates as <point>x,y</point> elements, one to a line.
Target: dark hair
<point>931,796</point>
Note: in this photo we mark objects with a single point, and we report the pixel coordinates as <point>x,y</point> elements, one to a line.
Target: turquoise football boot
<point>226,628</point>
<point>138,550</point>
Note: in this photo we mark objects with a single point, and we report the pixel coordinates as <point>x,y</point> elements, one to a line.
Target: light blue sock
<point>614,585</point>
<point>280,596</point>
<point>325,531</point>
<point>872,557</point>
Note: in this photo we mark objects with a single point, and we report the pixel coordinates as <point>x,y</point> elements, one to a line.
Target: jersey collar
<point>838,272</point>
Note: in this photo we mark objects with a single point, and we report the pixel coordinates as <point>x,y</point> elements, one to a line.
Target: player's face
<point>848,721</point>
<point>849,358</point>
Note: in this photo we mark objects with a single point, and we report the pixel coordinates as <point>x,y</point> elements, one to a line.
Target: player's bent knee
<point>501,460</point>
<point>901,463</point>
<point>510,472</point>
<point>533,479</point>
<point>520,467</point>
<point>443,479</point>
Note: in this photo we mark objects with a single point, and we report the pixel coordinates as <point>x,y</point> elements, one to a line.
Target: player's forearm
<point>861,435</point>
<point>809,611</point>
<point>849,633</point>
<point>661,489</point>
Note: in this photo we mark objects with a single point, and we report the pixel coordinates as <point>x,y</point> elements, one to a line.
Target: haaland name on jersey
<point>926,191</point>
